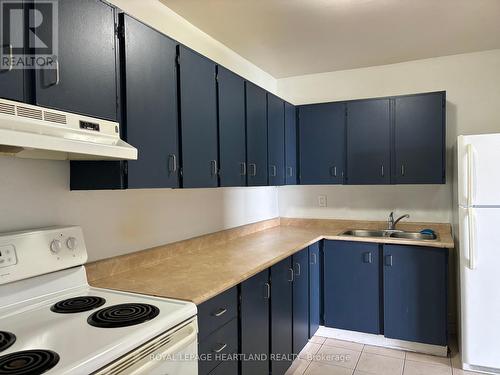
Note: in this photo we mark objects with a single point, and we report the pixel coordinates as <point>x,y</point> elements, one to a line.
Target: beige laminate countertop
<point>199,271</point>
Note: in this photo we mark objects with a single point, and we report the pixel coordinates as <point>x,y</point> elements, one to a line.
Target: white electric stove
<point>52,321</point>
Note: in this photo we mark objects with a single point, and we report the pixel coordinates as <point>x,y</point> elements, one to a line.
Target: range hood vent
<point>35,132</point>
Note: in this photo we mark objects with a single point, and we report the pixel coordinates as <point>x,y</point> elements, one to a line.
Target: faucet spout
<point>391,223</point>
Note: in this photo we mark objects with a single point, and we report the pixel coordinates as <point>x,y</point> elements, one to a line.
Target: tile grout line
<point>359,359</point>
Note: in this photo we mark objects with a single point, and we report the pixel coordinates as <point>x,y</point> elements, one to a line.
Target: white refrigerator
<point>479,258</point>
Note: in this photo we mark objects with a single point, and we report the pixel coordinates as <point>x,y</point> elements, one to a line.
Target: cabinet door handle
<point>315,258</point>
<point>290,171</point>
<point>333,171</point>
<point>388,260</point>
<point>172,167</point>
<point>213,170</point>
<point>58,76</point>
<point>291,275</point>
<point>402,169</point>
<point>297,273</point>
<point>220,348</point>
<point>382,172</point>
<point>9,46</point>
<point>220,312</point>
<point>367,257</point>
<point>243,169</point>
<point>268,291</point>
<point>252,169</point>
<point>273,170</point>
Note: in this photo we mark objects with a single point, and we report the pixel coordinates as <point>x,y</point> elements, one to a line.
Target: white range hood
<point>34,132</point>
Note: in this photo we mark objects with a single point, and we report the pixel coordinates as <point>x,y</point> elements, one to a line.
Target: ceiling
<point>295,37</point>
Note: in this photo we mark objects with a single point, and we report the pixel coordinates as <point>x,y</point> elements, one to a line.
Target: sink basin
<point>414,236</point>
<point>366,233</point>
<point>417,236</point>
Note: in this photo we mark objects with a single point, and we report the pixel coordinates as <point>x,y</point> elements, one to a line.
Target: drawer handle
<point>268,290</point>
<point>220,312</point>
<point>388,260</point>
<point>291,275</point>
<point>314,258</point>
<point>367,257</point>
<point>10,58</point>
<point>298,269</point>
<point>220,348</point>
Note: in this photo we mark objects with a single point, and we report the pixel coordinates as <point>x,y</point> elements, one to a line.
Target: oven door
<point>172,353</point>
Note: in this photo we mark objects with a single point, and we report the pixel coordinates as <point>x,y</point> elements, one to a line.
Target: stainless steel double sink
<point>417,236</point>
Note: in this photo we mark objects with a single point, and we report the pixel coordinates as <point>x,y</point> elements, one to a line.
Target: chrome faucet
<point>391,223</point>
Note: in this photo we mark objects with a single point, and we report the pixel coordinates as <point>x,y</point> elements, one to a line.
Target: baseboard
<point>379,340</point>
<point>484,370</point>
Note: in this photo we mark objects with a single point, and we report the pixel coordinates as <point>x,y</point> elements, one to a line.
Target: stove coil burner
<point>28,362</point>
<point>6,340</point>
<point>77,304</point>
<point>123,315</point>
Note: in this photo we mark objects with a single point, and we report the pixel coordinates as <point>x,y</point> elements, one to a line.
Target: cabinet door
<point>290,145</point>
<point>254,313</point>
<point>322,143</point>
<point>276,142</point>
<point>256,135</point>
<point>150,105</point>
<point>198,120</point>
<point>419,138</point>
<point>232,141</point>
<point>85,78</point>
<point>11,80</point>
<point>351,286</point>
<point>281,316</point>
<point>368,142</point>
<point>314,288</point>
<point>300,300</point>
<point>415,294</point>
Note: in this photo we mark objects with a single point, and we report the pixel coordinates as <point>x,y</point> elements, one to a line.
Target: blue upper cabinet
<point>322,143</point>
<point>415,294</point>
<point>232,141</point>
<point>291,177</point>
<point>369,142</point>
<point>256,110</point>
<point>150,96</point>
<point>11,80</point>
<point>198,103</point>
<point>351,286</point>
<point>84,80</point>
<point>314,288</point>
<point>419,139</point>
<point>276,140</point>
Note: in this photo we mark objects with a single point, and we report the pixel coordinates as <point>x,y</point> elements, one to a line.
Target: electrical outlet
<point>322,200</point>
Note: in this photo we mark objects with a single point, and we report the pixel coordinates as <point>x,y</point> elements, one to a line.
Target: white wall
<point>36,193</point>
<point>472,84</point>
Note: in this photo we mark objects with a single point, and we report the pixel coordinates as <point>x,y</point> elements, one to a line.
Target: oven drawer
<point>217,311</point>
<point>216,347</point>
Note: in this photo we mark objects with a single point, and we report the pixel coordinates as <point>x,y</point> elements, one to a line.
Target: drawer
<point>220,343</point>
<point>226,368</point>
<point>216,312</point>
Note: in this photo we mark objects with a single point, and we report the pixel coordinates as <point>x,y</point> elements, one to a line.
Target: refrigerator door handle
<point>470,172</point>
<point>471,224</point>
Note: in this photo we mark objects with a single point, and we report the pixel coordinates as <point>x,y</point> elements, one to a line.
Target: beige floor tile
<point>333,355</point>
<point>357,372</point>
<point>456,361</point>
<point>423,368</point>
<point>344,344</point>
<point>384,351</point>
<point>318,368</point>
<point>318,339</point>
<point>417,357</point>
<point>298,367</point>
<point>309,351</point>
<point>379,364</point>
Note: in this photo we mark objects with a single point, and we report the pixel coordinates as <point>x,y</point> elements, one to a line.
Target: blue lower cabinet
<point>281,316</point>
<point>351,286</point>
<point>300,300</point>
<point>415,294</point>
<point>314,288</point>
<point>254,315</point>
<point>218,347</point>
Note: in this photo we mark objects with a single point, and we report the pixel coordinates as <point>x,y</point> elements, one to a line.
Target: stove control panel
<point>36,252</point>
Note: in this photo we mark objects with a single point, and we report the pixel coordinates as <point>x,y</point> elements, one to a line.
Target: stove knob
<point>71,243</point>
<point>55,246</point>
